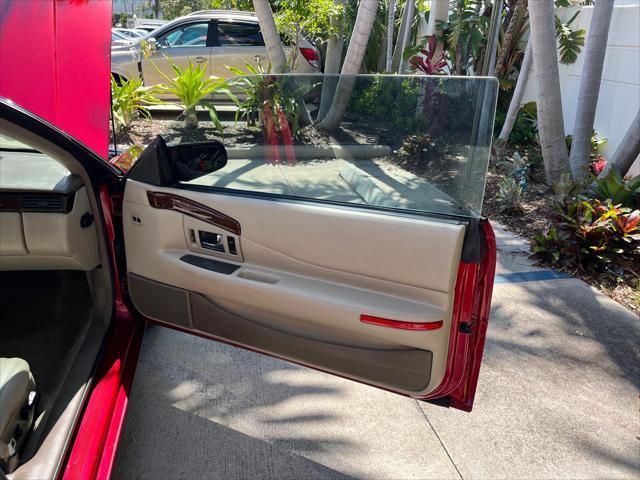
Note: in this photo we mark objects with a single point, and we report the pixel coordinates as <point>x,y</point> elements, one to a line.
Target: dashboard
<point>46,221</point>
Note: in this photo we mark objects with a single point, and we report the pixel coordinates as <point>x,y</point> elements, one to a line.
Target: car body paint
<point>55,59</point>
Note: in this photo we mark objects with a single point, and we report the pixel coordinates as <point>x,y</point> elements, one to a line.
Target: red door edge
<point>94,445</point>
<point>470,319</point>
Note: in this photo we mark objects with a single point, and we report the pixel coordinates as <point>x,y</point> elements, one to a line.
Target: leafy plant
<point>191,87</point>
<point>596,144</point>
<point>375,100</point>
<point>465,32</point>
<point>130,99</point>
<point>524,129</point>
<point>509,195</point>
<point>519,168</point>
<point>274,100</point>
<point>590,234</point>
<point>621,192</point>
<point>424,60</point>
<point>569,41</point>
<point>548,246</point>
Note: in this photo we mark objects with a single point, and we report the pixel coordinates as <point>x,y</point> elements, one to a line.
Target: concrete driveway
<point>557,398</point>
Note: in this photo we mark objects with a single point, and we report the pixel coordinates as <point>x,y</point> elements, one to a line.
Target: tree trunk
<point>545,64</point>
<point>518,92</point>
<point>458,46</point>
<point>156,8</point>
<point>397,52</point>
<point>439,14</point>
<point>331,67</point>
<point>275,52</point>
<point>391,20</point>
<point>628,150</point>
<point>520,10</point>
<point>352,63</point>
<point>410,9</point>
<point>590,89</point>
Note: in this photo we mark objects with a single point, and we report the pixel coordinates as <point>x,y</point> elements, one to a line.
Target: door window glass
<point>398,142</point>
<point>192,35</point>
<point>239,34</point>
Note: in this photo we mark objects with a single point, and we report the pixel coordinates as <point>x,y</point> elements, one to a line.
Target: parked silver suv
<point>218,37</point>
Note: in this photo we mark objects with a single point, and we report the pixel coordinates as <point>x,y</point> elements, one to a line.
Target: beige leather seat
<point>16,383</point>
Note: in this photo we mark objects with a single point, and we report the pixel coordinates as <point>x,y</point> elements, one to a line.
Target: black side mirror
<point>163,165</point>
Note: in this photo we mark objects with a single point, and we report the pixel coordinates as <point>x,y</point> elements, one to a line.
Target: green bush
<point>130,99</point>
<point>613,187</point>
<point>388,101</point>
<point>192,87</point>
<point>591,235</point>
<point>524,129</point>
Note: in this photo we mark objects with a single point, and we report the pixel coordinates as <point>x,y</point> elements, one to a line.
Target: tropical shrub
<point>375,99</point>
<point>130,99</point>
<point>424,60</point>
<point>517,167</point>
<point>192,87</point>
<point>591,235</point>
<point>509,195</point>
<point>273,100</point>
<point>613,187</point>
<point>524,130</point>
<point>597,144</point>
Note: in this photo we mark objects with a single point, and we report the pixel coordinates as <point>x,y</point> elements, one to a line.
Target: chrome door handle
<point>200,59</point>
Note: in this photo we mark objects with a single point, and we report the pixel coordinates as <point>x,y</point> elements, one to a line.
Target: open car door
<point>360,253</point>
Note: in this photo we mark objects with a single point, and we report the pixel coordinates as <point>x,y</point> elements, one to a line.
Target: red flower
<point>598,165</point>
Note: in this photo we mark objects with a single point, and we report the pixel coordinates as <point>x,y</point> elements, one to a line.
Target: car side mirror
<point>165,165</point>
<point>152,43</point>
<point>193,160</point>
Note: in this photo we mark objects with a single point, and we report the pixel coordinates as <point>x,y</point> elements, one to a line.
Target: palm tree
<point>439,14</point>
<point>391,20</point>
<point>590,89</point>
<point>331,67</point>
<point>397,62</point>
<point>628,150</point>
<point>518,93</point>
<point>352,63</point>
<point>545,64</point>
<point>275,52</point>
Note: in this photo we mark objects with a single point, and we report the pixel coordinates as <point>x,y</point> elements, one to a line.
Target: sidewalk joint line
<point>439,439</point>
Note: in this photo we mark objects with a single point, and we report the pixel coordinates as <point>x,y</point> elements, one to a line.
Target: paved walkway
<point>557,398</point>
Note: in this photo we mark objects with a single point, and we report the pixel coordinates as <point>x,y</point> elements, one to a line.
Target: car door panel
<point>238,44</point>
<point>308,290</point>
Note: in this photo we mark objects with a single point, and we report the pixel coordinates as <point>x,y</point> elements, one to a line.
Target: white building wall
<point>620,89</point>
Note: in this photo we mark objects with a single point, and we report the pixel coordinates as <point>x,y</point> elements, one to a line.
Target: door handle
<point>200,59</point>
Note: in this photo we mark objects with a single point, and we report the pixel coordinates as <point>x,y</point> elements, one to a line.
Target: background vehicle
<point>132,33</point>
<point>219,38</point>
<point>149,24</point>
<point>119,40</point>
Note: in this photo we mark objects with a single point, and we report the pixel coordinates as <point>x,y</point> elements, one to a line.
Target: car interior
<point>56,298</point>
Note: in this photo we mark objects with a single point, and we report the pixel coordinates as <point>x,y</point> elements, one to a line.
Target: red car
<point>398,299</point>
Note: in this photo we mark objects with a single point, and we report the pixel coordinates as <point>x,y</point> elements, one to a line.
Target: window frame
<point>210,32</point>
<point>246,22</point>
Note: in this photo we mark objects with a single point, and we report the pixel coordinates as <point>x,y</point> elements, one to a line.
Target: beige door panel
<point>49,240</point>
<point>309,271</point>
